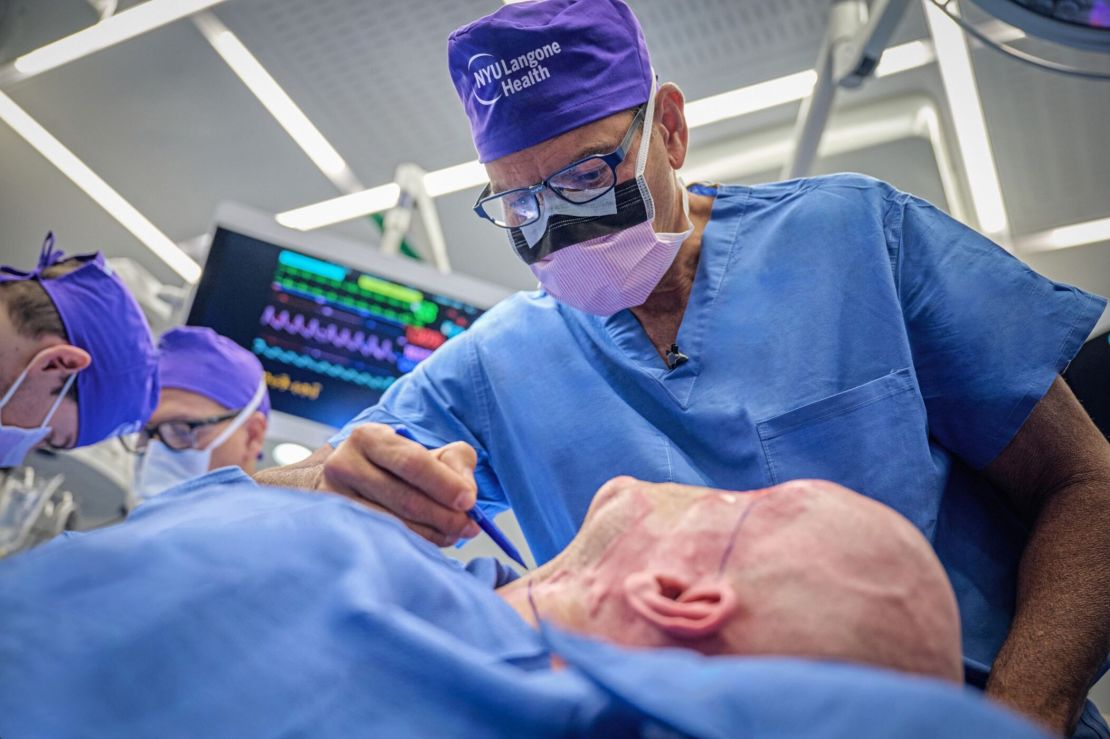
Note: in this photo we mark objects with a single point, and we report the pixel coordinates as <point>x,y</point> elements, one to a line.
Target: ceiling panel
<point>36,198</point>
<point>372,74</point>
<point>165,122</point>
<point>1049,134</point>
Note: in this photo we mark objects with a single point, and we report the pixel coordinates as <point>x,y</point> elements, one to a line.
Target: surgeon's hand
<point>429,490</point>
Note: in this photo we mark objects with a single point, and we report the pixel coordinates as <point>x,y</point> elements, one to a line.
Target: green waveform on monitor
<point>420,315</point>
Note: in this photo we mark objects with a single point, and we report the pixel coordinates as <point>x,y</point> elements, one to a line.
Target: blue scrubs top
<point>221,609</point>
<point>837,329</point>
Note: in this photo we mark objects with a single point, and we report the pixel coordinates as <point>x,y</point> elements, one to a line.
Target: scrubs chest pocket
<point>871,438</point>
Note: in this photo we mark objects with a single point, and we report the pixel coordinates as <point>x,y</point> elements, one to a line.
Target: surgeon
<point>740,337</point>
<point>212,413</point>
<point>216,610</point>
<point>77,363</point>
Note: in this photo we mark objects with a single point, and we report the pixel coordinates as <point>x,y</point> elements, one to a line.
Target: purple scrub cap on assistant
<point>118,391</point>
<point>197,359</point>
<point>531,71</point>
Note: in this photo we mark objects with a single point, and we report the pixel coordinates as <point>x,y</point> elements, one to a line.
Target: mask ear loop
<point>15,385</point>
<point>239,420</point>
<point>58,402</point>
<point>641,154</point>
<point>19,381</point>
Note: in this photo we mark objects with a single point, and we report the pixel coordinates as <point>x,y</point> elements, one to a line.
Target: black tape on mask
<point>563,230</point>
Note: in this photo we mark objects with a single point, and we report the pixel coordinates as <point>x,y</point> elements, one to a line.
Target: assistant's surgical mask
<point>603,262</point>
<point>16,443</point>
<point>159,468</point>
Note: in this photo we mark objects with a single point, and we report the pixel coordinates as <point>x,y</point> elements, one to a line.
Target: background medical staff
<point>212,412</point>
<point>77,364</point>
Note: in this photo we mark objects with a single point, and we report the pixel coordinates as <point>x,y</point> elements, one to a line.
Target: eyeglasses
<point>581,182</point>
<point>177,435</point>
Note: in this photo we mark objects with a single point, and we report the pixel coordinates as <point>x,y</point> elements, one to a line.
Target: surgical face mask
<point>16,443</point>
<point>603,262</point>
<point>159,468</point>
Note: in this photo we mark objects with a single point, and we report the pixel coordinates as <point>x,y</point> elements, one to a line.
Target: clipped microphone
<point>675,357</point>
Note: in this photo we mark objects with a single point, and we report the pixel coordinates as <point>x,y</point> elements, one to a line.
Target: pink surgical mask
<point>612,272</point>
<point>617,270</point>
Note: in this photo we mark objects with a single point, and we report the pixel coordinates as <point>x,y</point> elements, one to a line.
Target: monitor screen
<point>331,337</point>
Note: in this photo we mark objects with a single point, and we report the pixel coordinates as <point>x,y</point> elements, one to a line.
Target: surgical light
<point>1084,24</point>
<point>1077,30</point>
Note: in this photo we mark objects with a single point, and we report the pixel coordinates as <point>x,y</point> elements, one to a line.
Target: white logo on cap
<point>498,73</point>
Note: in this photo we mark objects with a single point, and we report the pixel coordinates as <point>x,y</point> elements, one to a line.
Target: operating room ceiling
<point>165,122</point>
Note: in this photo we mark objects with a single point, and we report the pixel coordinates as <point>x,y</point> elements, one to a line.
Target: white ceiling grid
<point>372,75</point>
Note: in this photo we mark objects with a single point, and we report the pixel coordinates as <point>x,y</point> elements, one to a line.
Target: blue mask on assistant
<point>15,442</point>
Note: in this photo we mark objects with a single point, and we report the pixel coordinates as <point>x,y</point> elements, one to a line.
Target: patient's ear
<point>675,606</point>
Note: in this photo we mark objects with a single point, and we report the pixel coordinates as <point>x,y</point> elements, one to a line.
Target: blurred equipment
<point>398,222</point>
<point>1076,24</point>
<point>860,30</point>
<point>1089,378</point>
<point>33,509</point>
<point>98,477</point>
<point>159,302</point>
<point>333,324</point>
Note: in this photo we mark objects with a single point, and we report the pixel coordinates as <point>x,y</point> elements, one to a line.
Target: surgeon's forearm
<point>1061,629</point>
<point>305,474</point>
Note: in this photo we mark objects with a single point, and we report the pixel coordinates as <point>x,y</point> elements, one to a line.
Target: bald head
<point>807,569</point>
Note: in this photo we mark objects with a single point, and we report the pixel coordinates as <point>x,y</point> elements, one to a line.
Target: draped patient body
<point>223,608</point>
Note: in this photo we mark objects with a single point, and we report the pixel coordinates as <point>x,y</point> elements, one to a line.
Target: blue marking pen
<point>477,516</point>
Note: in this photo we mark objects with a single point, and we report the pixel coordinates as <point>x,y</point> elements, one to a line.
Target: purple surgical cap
<point>531,71</point>
<point>118,391</point>
<point>197,359</point>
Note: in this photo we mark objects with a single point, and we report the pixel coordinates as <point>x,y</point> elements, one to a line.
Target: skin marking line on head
<point>736,532</point>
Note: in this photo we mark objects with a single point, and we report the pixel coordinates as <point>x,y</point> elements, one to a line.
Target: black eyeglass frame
<point>613,159</point>
<point>143,437</point>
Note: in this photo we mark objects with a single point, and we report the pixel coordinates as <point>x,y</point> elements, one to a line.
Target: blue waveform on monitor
<point>342,337</point>
<point>374,382</point>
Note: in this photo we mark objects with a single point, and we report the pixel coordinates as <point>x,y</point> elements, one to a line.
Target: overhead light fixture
<point>958,78</point>
<point>343,208</point>
<point>108,32</point>
<point>97,189</point>
<point>905,57</point>
<point>286,112</point>
<point>1065,237</point>
<point>453,179</point>
<point>750,99</point>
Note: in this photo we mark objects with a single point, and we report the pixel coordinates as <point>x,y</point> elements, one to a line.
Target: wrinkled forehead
<point>652,515</point>
<point>661,512</point>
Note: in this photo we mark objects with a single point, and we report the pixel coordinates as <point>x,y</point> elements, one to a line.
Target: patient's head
<point>807,569</point>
